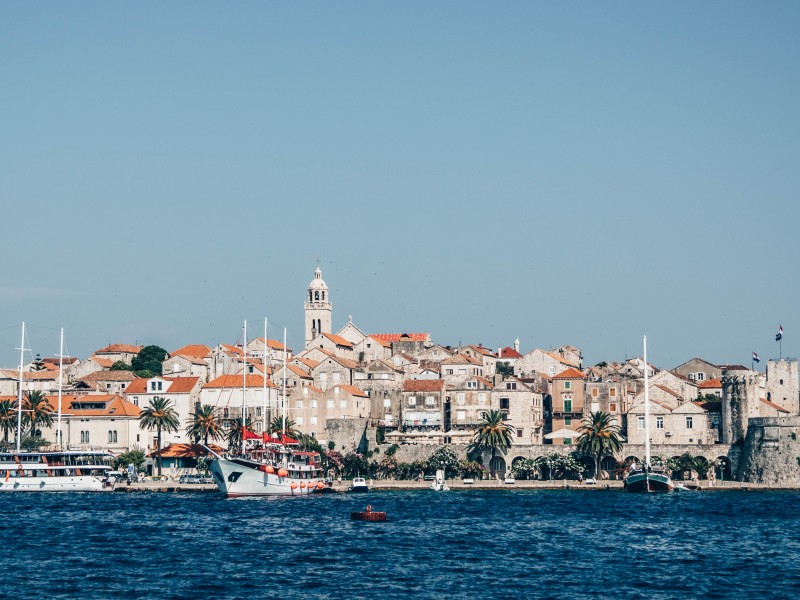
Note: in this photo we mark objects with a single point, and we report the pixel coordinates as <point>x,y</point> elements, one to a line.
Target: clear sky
<point>566,173</point>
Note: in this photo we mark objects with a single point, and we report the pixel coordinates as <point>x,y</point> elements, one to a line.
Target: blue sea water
<point>461,544</point>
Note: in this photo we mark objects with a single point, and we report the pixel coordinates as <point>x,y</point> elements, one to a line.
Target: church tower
<point>319,311</point>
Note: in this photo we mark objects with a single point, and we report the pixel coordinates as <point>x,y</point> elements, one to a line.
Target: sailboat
<point>275,467</point>
<point>646,477</point>
<point>52,471</point>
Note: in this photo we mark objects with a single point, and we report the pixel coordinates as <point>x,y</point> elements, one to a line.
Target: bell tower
<point>319,311</point>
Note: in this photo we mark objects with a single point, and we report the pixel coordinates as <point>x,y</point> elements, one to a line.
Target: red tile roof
<point>670,391</point>
<point>106,363</point>
<point>118,348</point>
<point>114,406</point>
<point>773,405</point>
<point>194,350</point>
<point>178,385</point>
<point>352,390</point>
<point>186,451</point>
<point>235,381</point>
<point>338,340</point>
<point>395,337</point>
<point>711,383</point>
<point>423,385</point>
<point>570,374</point>
<point>109,376</point>
<point>509,353</point>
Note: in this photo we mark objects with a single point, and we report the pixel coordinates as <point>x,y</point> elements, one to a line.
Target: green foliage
<point>599,437</point>
<point>331,445</point>
<point>380,435</point>
<point>159,415</point>
<point>38,364</point>
<point>333,460</point>
<point>37,411</point>
<point>558,466</point>
<point>33,443</point>
<point>8,419</point>
<point>525,468</point>
<point>234,435</point>
<point>392,450</point>
<point>145,374</point>
<point>309,443</point>
<point>149,359</point>
<point>277,426</point>
<point>493,434</point>
<point>472,469</point>
<point>132,457</point>
<point>602,364</point>
<point>505,369</point>
<point>121,366</point>
<point>355,464</point>
<point>444,457</point>
<point>204,423</point>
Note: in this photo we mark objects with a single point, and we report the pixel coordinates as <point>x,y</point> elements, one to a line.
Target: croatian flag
<point>779,335</point>
<point>755,357</point>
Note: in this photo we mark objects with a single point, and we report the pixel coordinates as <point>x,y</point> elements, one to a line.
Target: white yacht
<point>65,471</point>
<point>359,484</point>
<point>439,484</point>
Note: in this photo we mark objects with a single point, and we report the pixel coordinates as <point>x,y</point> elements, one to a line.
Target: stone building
<point>423,405</point>
<point>318,308</point>
<point>568,404</point>
<point>782,384</point>
<point>469,399</point>
<point>524,406</point>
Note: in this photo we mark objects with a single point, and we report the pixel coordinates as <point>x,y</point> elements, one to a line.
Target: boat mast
<point>59,434</point>
<point>284,381</point>
<point>264,410</point>
<point>244,382</point>
<point>19,391</point>
<point>646,410</point>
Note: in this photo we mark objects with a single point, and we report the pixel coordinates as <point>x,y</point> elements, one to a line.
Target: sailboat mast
<point>646,409</point>
<point>284,381</point>
<point>264,410</point>
<point>244,382</point>
<point>59,435</point>
<point>19,391</point>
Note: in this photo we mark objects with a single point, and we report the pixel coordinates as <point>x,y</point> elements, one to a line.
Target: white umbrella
<point>561,434</point>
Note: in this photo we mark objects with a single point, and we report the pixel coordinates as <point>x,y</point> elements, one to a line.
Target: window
<point>449,372</point>
<point>552,370</point>
<point>108,387</point>
<point>152,386</point>
<point>659,422</point>
<point>298,404</point>
<point>412,400</point>
<point>482,398</point>
<point>519,433</point>
<point>461,415</point>
<point>568,405</point>
<point>387,402</point>
<point>460,398</point>
<point>472,385</point>
<point>594,392</point>
<point>641,423</point>
<point>330,403</point>
<point>342,403</point>
<point>313,421</point>
<point>335,378</point>
<point>511,385</point>
<point>568,441</point>
<point>567,421</point>
<point>504,404</point>
<point>313,404</point>
<point>567,385</point>
<point>701,377</point>
<point>612,407</point>
<point>430,401</point>
<point>258,411</point>
<point>159,385</point>
<point>612,392</point>
<point>299,420</point>
<point>689,422</point>
<point>110,436</point>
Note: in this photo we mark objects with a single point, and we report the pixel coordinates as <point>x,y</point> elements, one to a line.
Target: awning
<point>562,433</point>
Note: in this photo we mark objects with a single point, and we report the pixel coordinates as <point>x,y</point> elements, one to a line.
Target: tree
<point>276,425</point>
<point>493,434</point>
<point>505,368</point>
<point>525,468</point>
<point>121,365</point>
<point>132,457</point>
<point>8,419</point>
<point>355,464</point>
<point>37,410</point>
<point>162,417</point>
<point>38,364</point>
<point>445,458</point>
<point>204,423</point>
<point>599,436</point>
<point>234,435</point>
<point>149,359</point>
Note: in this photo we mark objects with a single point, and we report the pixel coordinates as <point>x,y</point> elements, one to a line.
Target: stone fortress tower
<point>782,384</point>
<point>319,310</point>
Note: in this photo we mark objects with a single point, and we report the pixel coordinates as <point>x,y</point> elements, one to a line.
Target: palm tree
<point>234,435</point>
<point>37,410</point>
<point>493,434</point>
<point>277,425</point>
<point>599,436</point>
<point>205,423</point>
<point>8,419</point>
<point>159,416</point>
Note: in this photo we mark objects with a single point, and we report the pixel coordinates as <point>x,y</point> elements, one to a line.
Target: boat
<point>278,467</point>
<point>439,484</point>
<point>368,515</point>
<point>57,471</point>
<point>647,477</point>
<point>358,485</point>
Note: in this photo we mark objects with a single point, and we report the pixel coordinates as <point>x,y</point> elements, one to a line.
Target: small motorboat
<point>359,484</point>
<point>439,484</point>
<point>368,515</point>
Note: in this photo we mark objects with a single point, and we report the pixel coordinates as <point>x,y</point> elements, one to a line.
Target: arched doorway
<point>722,468</point>
<point>497,466</point>
<point>610,465</point>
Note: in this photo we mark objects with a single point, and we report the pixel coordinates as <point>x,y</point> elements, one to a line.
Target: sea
<point>457,544</point>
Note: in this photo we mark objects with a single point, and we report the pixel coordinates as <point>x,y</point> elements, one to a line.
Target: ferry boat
<point>64,471</point>
<point>274,469</point>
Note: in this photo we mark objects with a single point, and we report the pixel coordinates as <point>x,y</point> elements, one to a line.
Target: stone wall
<point>771,451</point>
<point>350,435</point>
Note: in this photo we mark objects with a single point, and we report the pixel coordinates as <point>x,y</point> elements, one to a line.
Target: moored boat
<point>64,471</point>
<point>359,485</point>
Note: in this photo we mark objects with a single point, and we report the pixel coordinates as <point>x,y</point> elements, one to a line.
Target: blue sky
<point>564,173</point>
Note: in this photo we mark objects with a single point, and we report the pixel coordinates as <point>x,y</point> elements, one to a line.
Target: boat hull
<point>238,478</point>
<point>75,483</point>
<point>648,482</point>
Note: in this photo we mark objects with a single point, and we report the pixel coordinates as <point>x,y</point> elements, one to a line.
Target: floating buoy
<point>368,515</point>
<point>294,483</point>
<point>320,485</point>
<point>282,472</point>
<point>302,485</point>
<point>270,469</point>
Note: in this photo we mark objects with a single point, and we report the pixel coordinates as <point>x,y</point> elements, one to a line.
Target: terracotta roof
<point>193,350</point>
<point>461,359</point>
<point>383,343</point>
<point>40,375</point>
<point>352,390</point>
<point>345,362</point>
<point>562,360</point>
<point>195,360</point>
<point>570,374</point>
<point>106,363</point>
<point>274,344</point>
<point>338,340</point>
<point>670,391</point>
<point>306,361</point>
<point>109,376</point>
<point>298,371</point>
<point>481,350</point>
<point>114,406</point>
<point>485,382</point>
<point>509,353</point>
<point>186,451</point>
<point>178,385</point>
<point>235,381</point>
<point>117,348</point>
<point>773,405</point>
<point>235,350</point>
<point>423,385</point>
<point>733,368</point>
<point>315,389</point>
<point>395,337</point>
<point>711,383</point>
<point>68,360</point>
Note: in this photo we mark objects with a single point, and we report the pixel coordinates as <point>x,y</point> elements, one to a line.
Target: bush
<point>444,458</point>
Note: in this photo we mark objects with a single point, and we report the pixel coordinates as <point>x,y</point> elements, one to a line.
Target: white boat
<point>275,469</point>
<point>65,471</point>
<point>439,484</point>
<point>359,484</point>
<point>646,477</point>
